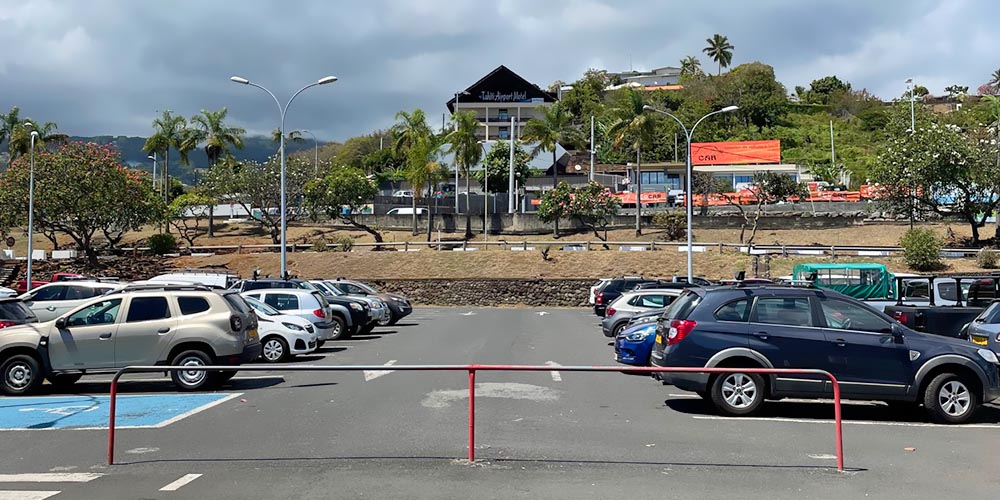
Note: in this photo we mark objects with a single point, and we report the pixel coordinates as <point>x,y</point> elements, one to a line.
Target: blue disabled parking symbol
<point>92,412</point>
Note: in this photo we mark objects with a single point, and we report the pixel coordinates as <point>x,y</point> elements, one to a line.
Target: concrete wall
<point>492,292</point>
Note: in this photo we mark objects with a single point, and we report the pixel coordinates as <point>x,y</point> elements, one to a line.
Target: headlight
<point>640,335</point>
<point>647,319</point>
<point>293,326</point>
<point>399,299</point>
<point>989,356</point>
<point>356,306</point>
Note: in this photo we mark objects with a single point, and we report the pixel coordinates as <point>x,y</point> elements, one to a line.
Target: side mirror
<point>897,333</point>
<point>61,323</point>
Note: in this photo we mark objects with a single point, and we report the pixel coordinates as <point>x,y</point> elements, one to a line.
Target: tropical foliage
<point>342,194</point>
<point>720,50</point>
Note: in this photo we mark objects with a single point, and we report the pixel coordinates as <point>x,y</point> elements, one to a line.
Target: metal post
<point>457,211</point>
<point>472,414</point>
<point>112,398</point>
<point>838,423</point>
<point>833,153</point>
<point>31,209</point>
<point>689,206</point>
<point>593,150</point>
<point>638,190</point>
<point>511,186</point>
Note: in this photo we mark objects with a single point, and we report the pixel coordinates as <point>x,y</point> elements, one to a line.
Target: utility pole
<point>593,149</point>
<point>510,182</point>
<point>833,154</point>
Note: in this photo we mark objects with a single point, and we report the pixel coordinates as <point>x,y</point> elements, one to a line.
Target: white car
<point>594,289</point>
<point>403,193</point>
<point>282,336</point>
<point>309,305</point>
<point>7,292</point>
<point>52,300</point>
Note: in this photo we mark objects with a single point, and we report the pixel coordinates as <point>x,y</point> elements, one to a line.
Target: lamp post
<point>31,203</point>
<point>281,130</point>
<point>153,157</point>
<point>461,92</point>
<point>913,117</point>
<point>315,152</point>
<point>688,172</point>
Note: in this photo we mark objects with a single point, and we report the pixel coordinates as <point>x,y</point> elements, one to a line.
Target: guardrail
<point>472,369</point>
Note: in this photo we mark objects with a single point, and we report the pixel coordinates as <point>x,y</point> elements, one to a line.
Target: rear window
<point>236,303</point>
<point>682,307</point>
<point>192,305</point>
<point>321,299</point>
<point>737,310</point>
<point>282,301</point>
<point>15,310</point>
<point>991,315</point>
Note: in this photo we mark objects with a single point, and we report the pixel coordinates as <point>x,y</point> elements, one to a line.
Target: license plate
<point>659,338</point>
<point>980,340</point>
<point>252,335</point>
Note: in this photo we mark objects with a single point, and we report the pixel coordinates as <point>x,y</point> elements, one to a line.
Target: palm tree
<point>422,167</point>
<point>690,65</point>
<point>9,123</point>
<point>209,129</point>
<point>19,140</point>
<point>995,78</point>
<point>555,127</point>
<point>412,136</point>
<point>464,145</point>
<point>633,123</point>
<point>720,50</point>
<point>170,131</point>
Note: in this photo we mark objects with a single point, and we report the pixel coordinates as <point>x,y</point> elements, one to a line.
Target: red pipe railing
<point>472,369</point>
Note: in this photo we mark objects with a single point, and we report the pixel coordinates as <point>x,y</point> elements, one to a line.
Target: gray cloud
<point>108,67</point>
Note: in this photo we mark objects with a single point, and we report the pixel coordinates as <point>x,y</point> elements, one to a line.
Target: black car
<point>14,312</point>
<point>399,306</point>
<point>360,319</point>
<point>872,356</point>
<point>614,289</point>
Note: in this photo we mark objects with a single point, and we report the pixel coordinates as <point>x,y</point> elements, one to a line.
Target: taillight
<point>5,324</point>
<point>236,323</point>
<point>679,328</point>
<point>998,337</point>
<point>600,298</point>
<point>899,316</point>
<point>319,313</point>
<point>611,311</point>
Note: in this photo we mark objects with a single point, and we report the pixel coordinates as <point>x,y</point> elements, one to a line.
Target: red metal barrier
<point>472,369</point>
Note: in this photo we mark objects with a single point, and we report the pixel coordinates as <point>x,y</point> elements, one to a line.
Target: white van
<point>406,211</point>
<point>213,280</point>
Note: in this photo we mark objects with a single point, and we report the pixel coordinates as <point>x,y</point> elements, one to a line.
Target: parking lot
<point>388,434</point>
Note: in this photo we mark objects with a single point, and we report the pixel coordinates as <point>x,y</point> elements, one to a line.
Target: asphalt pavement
<point>396,434</point>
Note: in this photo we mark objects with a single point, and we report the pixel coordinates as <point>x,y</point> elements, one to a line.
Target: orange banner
<point>735,153</point>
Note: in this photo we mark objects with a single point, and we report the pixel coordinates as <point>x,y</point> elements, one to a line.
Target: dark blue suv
<point>873,357</point>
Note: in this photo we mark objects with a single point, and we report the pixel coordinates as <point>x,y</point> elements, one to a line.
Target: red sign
<point>735,153</point>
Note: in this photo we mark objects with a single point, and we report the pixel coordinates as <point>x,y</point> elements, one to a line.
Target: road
<point>403,434</point>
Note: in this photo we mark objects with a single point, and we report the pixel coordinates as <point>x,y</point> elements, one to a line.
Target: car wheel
<point>192,380</point>
<point>386,320</point>
<point>22,374</point>
<point>339,329</point>
<point>365,330</point>
<point>224,376</point>
<point>738,394</point>
<point>274,349</point>
<point>319,343</point>
<point>950,399</point>
<point>617,329</point>
<point>64,381</point>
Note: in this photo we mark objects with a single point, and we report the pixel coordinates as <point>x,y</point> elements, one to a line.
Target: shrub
<point>161,244</point>
<point>987,259</point>
<point>319,245</point>
<point>345,243</point>
<point>921,249</point>
<point>674,225</point>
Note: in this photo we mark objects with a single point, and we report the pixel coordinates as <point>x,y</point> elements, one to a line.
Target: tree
<point>254,185</point>
<point>81,190</point>
<point>340,195</point>
<point>169,131</point>
<point>10,122</point>
<point>464,145</point>
<point>690,65</point>
<point>995,78</point>
<point>821,90</point>
<point>827,172</point>
<point>186,212</point>
<point>413,137</point>
<point>385,162</point>
<point>555,204</point>
<point>218,140</point>
<point>19,143</point>
<point>423,169</point>
<point>497,163</point>
<point>633,123</point>
<point>769,188</point>
<point>956,91</point>
<point>594,206</point>
<point>555,127</point>
<point>720,50</point>
<point>753,87</point>
<point>706,184</point>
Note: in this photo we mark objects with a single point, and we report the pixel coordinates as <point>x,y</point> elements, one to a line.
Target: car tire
<point>64,381</point>
<point>274,349</point>
<point>365,330</point>
<point>20,374</point>
<point>738,394</point>
<point>950,399</point>
<point>388,320</point>
<point>193,380</point>
<point>319,343</point>
<point>339,329</point>
<point>615,330</point>
<point>224,376</point>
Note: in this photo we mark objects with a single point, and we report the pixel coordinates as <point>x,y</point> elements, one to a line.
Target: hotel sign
<point>494,96</point>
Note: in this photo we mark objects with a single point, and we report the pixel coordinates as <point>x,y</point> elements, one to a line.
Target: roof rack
<point>166,287</point>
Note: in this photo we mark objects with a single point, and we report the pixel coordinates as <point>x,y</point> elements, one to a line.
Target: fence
<point>472,369</point>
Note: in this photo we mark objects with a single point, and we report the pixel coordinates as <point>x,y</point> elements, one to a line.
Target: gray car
<point>618,314</point>
<point>985,329</point>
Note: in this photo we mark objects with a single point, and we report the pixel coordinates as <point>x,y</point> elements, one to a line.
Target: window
<point>503,114</point>
<point>916,289</point>
<point>682,306</point>
<point>57,292</point>
<point>355,289</point>
<point>673,181</point>
<point>846,316</point>
<point>15,310</point>
<point>192,305</point>
<point>991,315</point>
<point>728,179</point>
<point>792,311</point>
<point>737,310</point>
<point>743,179</point>
<point>282,301</point>
<point>505,132</point>
<point>104,312</point>
<point>653,177</point>
<point>147,309</point>
<point>653,300</point>
<point>236,302</point>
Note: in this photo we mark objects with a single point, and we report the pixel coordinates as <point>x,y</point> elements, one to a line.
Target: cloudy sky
<point>108,67</point>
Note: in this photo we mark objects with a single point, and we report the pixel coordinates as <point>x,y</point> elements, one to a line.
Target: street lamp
<point>316,152</point>
<point>486,190</point>
<point>689,174</point>
<point>281,131</point>
<point>31,202</point>
<point>153,157</point>
<point>461,92</point>
<point>913,117</point>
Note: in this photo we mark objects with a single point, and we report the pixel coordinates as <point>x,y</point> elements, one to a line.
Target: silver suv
<point>186,325</point>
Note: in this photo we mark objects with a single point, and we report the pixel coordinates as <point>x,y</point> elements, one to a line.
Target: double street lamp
<point>688,173</point>
<point>31,203</point>
<point>281,131</point>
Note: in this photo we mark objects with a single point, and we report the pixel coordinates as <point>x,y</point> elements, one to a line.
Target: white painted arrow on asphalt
<point>374,374</point>
<point>542,313</point>
<point>556,376</point>
<point>470,313</point>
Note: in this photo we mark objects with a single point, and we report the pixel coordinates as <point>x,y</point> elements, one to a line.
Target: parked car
<point>625,307</point>
<point>7,292</point>
<point>984,330</point>
<point>54,299</point>
<point>378,310</point>
<point>596,288</point>
<point>399,306</point>
<point>306,304</point>
<point>614,289</point>
<point>695,280</point>
<point>13,312</point>
<point>138,325</point>
<point>352,312</point>
<point>22,285</point>
<point>872,356</point>
<point>402,193</point>
<point>212,280</point>
<point>282,336</point>
<point>406,211</point>
<point>634,344</point>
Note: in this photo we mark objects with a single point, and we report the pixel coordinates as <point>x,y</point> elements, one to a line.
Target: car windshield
<point>262,307</point>
<point>336,292</point>
<point>365,287</point>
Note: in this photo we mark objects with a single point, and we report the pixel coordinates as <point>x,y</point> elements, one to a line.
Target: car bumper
<point>323,330</point>
<point>628,352</point>
<point>302,344</point>
<point>250,353</point>
<point>607,327</point>
<point>400,310</point>
<point>599,310</point>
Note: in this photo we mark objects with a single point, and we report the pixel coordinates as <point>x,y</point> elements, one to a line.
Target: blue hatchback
<point>633,344</point>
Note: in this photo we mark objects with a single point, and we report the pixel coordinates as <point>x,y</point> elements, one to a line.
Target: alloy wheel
<point>739,390</point>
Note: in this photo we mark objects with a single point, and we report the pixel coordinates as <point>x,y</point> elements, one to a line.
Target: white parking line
<point>27,495</point>
<point>556,376</point>
<point>199,409</point>
<point>374,374</point>
<point>178,484</point>
<point>846,422</point>
<point>51,477</point>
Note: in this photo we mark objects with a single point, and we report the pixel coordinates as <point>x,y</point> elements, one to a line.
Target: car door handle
<point>163,330</point>
<point>105,336</point>
<point>840,342</point>
<point>50,308</point>
<point>762,335</point>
